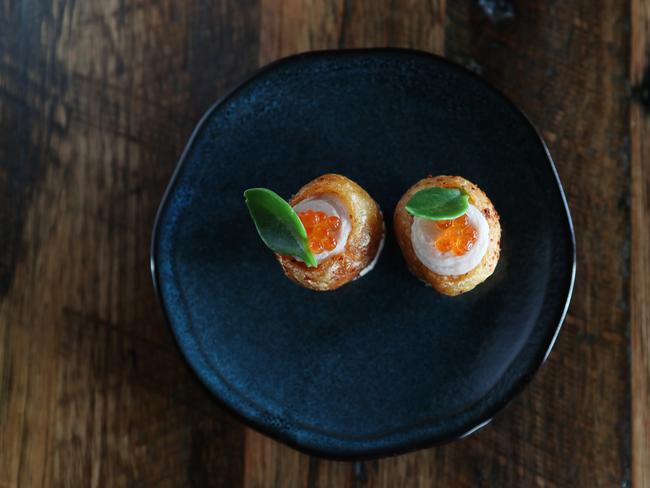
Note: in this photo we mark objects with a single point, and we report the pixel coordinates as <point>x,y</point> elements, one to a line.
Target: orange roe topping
<point>457,236</point>
<point>322,230</point>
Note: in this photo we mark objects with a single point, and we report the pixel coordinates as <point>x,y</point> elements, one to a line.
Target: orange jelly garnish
<point>457,236</point>
<point>322,230</point>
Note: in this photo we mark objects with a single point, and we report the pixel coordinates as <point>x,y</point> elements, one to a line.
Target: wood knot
<point>641,91</point>
<point>497,10</point>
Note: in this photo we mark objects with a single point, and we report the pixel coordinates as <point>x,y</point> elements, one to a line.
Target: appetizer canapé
<point>449,233</point>
<point>328,234</point>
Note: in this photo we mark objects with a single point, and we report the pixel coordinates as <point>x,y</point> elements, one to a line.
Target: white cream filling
<point>370,266</point>
<point>331,206</point>
<point>425,232</point>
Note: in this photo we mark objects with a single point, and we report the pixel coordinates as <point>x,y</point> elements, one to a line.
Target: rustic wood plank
<point>269,463</point>
<point>293,26</point>
<point>640,244</point>
<point>97,100</point>
<point>565,63</point>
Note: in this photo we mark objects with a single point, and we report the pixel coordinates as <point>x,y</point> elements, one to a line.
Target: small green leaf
<point>278,224</point>
<point>438,203</point>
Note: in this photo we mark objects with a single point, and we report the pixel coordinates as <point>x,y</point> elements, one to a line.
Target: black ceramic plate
<point>384,364</point>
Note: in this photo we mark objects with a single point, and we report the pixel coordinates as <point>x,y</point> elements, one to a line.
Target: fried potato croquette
<point>345,229</point>
<point>452,256</point>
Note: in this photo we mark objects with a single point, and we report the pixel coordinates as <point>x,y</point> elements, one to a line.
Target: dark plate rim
<point>353,453</point>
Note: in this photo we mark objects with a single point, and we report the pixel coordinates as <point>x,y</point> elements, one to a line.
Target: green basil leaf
<point>438,203</point>
<point>278,224</point>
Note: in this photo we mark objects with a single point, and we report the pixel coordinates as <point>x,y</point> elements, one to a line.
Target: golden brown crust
<point>449,284</point>
<point>366,234</point>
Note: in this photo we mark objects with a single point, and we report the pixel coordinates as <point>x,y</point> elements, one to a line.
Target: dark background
<point>97,100</point>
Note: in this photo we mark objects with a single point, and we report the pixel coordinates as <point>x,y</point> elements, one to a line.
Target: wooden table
<point>97,99</point>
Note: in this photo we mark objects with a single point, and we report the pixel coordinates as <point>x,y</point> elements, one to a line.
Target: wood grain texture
<point>565,63</point>
<point>97,100</point>
<point>293,26</point>
<point>640,245</point>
